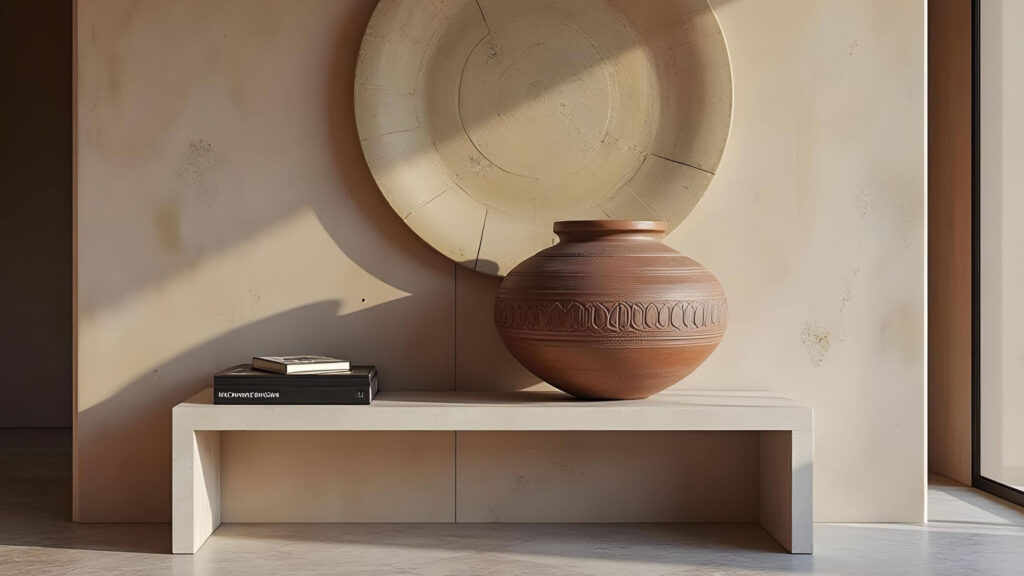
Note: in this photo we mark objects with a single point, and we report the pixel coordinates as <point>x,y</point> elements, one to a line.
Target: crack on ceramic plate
<point>390,89</point>
<point>428,201</point>
<point>682,163</point>
<point>483,16</point>
<point>383,134</point>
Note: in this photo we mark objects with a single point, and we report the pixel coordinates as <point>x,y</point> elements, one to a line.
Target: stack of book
<point>295,380</point>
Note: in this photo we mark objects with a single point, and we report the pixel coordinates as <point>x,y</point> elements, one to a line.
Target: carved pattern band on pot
<point>610,312</point>
<point>672,316</point>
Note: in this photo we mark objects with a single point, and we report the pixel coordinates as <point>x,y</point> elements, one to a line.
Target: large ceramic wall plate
<point>485,121</point>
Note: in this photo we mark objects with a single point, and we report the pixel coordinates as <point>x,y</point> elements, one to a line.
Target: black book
<point>244,385</point>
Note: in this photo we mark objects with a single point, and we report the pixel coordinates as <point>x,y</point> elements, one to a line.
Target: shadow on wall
<point>439,336</point>
<point>219,190</point>
<point>137,419</point>
<point>360,222</point>
<point>367,223</point>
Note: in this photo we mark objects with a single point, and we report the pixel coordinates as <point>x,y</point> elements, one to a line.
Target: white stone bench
<point>785,440</point>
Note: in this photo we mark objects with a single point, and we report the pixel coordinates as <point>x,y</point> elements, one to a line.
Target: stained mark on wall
<point>199,160</point>
<point>817,340</point>
<point>200,156</point>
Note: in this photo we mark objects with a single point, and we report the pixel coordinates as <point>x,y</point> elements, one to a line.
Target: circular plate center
<point>534,99</point>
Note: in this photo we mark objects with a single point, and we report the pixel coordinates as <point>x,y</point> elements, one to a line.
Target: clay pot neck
<point>589,230</point>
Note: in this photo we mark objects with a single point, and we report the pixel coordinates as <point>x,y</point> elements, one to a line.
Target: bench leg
<point>195,502</point>
<point>785,502</point>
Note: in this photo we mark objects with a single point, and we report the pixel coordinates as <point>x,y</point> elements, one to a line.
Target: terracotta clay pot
<point>610,312</point>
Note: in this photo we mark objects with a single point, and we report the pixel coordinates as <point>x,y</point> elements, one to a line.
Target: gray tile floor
<point>970,534</point>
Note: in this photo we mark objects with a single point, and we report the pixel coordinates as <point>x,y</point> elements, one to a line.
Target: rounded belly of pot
<point>592,368</point>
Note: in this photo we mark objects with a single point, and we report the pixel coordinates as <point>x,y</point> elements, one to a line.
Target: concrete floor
<point>970,534</point>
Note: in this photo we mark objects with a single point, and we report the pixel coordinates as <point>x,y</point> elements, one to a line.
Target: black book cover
<point>244,385</point>
<point>283,395</point>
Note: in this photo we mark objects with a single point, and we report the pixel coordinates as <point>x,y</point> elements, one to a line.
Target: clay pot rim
<point>610,226</point>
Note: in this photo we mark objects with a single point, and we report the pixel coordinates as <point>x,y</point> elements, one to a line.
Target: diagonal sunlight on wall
<point>243,120</point>
<point>195,148</point>
<point>267,277</point>
<point>285,289</point>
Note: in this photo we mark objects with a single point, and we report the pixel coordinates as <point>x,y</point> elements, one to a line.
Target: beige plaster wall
<point>815,227</point>
<point>225,209</point>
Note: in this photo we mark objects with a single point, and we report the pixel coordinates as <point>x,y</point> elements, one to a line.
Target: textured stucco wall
<point>815,227</point>
<point>224,209</point>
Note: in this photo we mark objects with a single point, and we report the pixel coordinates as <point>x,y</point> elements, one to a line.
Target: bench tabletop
<point>522,410</point>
